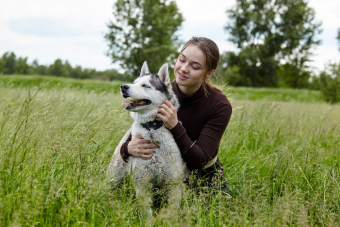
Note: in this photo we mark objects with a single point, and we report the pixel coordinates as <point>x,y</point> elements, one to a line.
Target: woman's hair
<point>212,57</point>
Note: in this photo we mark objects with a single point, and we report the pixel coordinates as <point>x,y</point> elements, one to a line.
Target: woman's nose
<point>185,67</point>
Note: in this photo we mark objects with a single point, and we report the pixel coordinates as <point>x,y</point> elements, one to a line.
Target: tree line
<point>11,64</point>
<point>274,40</point>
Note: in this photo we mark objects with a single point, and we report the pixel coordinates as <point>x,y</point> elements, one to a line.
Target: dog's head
<point>148,91</point>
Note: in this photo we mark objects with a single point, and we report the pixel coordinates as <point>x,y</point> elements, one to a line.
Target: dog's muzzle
<point>124,88</point>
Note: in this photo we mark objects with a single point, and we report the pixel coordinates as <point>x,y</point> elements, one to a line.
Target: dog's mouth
<point>134,103</point>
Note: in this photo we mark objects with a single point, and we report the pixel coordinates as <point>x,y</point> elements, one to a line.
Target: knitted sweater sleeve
<point>124,149</point>
<point>197,154</point>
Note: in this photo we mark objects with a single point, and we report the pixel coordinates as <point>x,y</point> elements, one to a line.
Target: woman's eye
<point>196,67</point>
<point>145,86</point>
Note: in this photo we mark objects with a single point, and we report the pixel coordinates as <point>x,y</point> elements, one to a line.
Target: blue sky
<point>74,30</point>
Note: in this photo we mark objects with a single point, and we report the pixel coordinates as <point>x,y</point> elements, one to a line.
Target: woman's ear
<point>209,74</point>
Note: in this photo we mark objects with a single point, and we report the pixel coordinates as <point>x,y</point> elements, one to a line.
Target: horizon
<point>46,31</point>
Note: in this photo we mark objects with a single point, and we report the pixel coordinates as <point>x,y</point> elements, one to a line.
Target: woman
<point>202,118</point>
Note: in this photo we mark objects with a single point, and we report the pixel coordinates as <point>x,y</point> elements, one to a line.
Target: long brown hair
<point>212,57</point>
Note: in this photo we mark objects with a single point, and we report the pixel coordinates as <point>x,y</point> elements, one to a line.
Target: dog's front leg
<point>144,197</point>
<point>175,196</point>
<point>117,168</point>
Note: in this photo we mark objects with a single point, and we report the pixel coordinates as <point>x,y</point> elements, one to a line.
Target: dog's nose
<point>124,87</point>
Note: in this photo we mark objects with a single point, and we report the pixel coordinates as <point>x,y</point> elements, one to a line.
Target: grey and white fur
<point>166,167</point>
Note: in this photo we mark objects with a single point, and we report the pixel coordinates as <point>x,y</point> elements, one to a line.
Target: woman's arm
<point>137,147</point>
<point>198,153</point>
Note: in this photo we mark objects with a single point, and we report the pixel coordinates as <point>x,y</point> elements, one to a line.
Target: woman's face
<point>190,69</point>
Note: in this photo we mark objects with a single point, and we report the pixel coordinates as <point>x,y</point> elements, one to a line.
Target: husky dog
<point>166,167</point>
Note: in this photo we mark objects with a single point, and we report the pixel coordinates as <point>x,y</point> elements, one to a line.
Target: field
<point>281,152</point>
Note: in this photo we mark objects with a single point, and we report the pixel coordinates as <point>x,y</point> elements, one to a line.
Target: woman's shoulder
<point>218,106</point>
<point>218,96</point>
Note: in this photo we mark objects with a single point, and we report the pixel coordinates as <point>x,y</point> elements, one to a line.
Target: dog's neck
<point>145,116</point>
<point>152,125</point>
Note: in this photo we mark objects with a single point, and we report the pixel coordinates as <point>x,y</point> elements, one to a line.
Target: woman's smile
<point>181,76</point>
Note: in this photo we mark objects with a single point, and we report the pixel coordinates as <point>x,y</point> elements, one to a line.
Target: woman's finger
<point>149,145</point>
<point>146,156</point>
<point>164,106</point>
<point>147,152</point>
<point>163,112</point>
<point>169,104</point>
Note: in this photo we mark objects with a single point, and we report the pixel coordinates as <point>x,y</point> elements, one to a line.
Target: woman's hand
<point>168,114</point>
<point>141,148</point>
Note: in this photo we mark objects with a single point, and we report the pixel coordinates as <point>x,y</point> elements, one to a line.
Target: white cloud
<point>47,30</point>
<point>48,27</point>
<point>74,30</point>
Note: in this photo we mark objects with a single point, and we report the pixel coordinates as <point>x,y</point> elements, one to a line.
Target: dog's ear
<point>145,69</point>
<point>163,74</point>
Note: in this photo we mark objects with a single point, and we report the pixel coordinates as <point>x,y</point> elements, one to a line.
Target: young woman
<point>202,118</point>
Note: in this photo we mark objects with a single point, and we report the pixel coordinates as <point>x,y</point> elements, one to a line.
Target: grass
<point>273,94</point>
<point>281,158</point>
<point>48,82</point>
<point>239,93</point>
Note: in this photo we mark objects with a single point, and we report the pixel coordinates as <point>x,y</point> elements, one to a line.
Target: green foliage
<point>231,72</point>
<point>280,158</point>
<point>267,32</point>
<point>21,66</point>
<point>293,76</point>
<point>38,69</point>
<point>232,76</point>
<point>57,68</point>
<point>9,65</point>
<point>144,30</point>
<point>330,83</point>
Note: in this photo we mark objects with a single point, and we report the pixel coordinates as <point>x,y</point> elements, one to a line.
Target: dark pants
<point>211,180</point>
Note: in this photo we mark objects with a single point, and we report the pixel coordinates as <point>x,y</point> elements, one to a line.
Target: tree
<point>230,70</point>
<point>269,32</point>
<point>144,30</point>
<point>76,72</point>
<point>329,80</point>
<point>1,66</point>
<point>8,60</point>
<point>330,83</point>
<point>21,66</point>
<point>67,69</point>
<point>57,68</point>
<point>294,74</point>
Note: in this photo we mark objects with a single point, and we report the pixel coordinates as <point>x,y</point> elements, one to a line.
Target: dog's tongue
<point>125,104</point>
<point>129,103</point>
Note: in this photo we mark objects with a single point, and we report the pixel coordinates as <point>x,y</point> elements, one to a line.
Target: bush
<point>330,83</point>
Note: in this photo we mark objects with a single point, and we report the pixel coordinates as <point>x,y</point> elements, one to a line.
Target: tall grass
<point>240,93</point>
<point>281,159</point>
<point>48,82</point>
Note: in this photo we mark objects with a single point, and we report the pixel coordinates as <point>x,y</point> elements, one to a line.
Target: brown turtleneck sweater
<point>202,119</point>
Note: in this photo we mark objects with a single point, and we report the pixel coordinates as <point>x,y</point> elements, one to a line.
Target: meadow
<point>280,152</point>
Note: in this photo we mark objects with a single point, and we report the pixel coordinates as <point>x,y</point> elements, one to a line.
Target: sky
<point>46,30</point>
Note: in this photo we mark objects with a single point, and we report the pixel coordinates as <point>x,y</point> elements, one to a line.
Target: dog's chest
<point>159,169</point>
<point>166,162</point>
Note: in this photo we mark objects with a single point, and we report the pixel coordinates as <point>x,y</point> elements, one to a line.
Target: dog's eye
<point>145,86</point>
